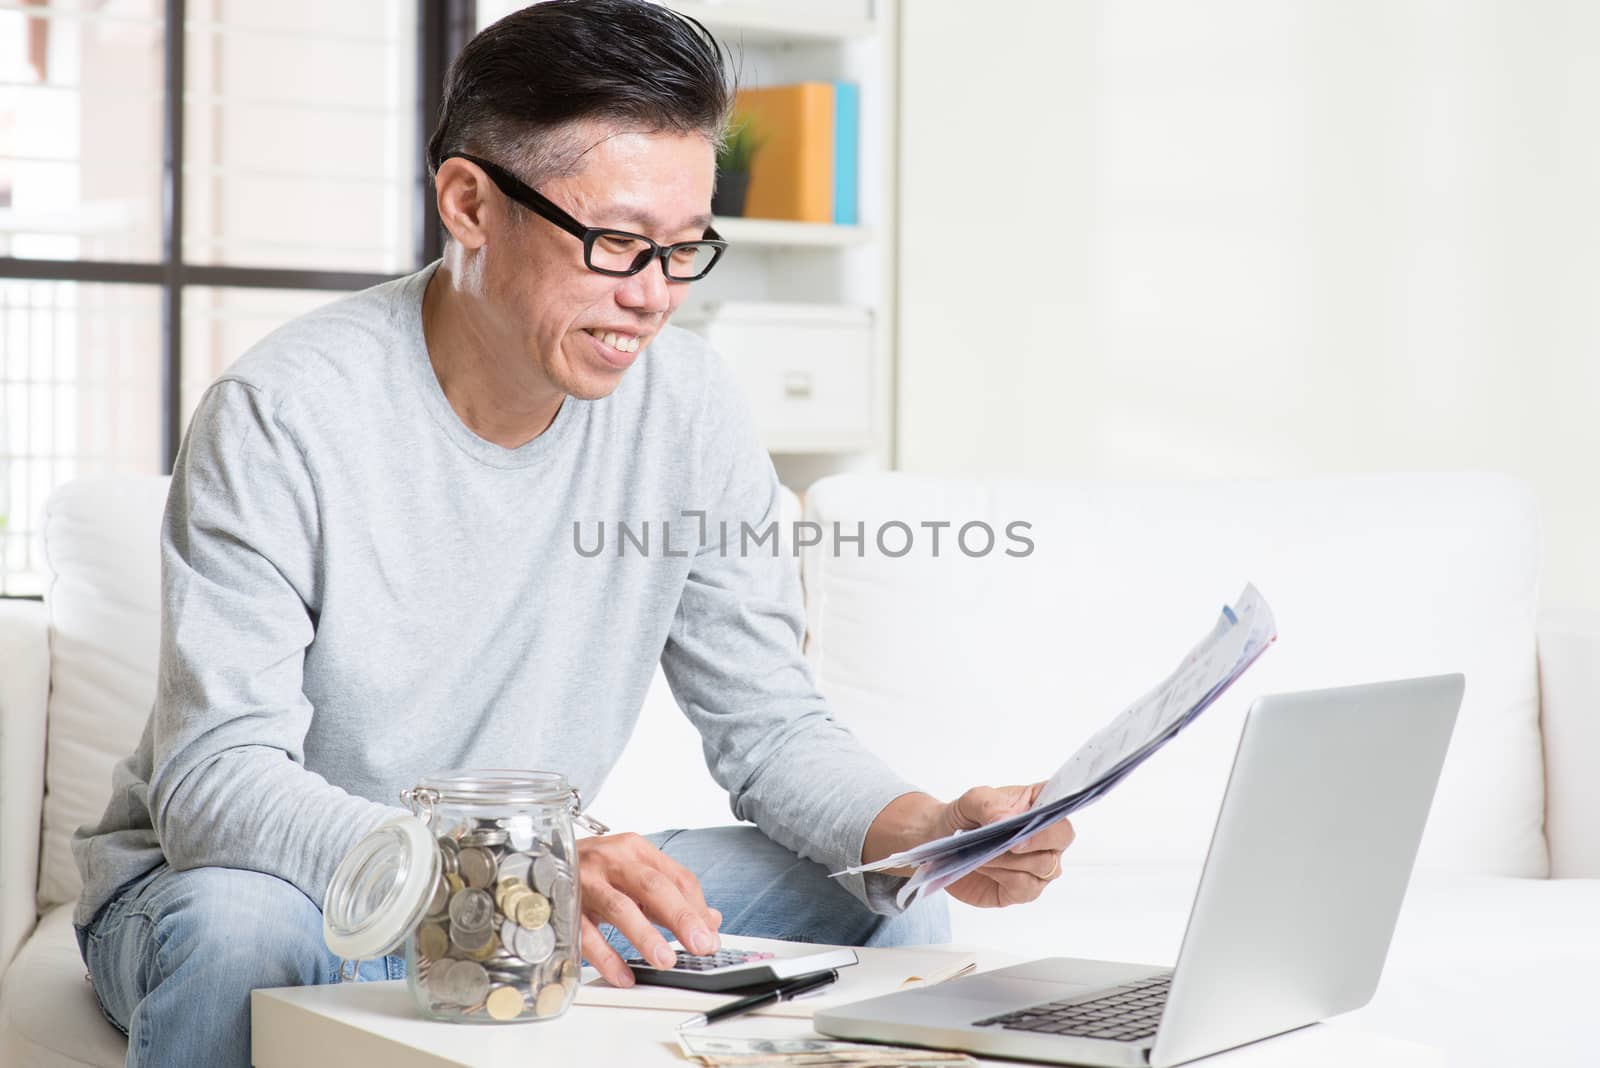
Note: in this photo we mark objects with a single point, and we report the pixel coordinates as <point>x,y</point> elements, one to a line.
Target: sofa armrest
<point>1569,720</point>
<point>24,697</point>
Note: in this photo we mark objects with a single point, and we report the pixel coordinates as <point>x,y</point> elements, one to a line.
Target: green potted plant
<point>734,158</point>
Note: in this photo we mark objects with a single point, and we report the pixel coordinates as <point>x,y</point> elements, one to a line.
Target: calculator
<point>734,969</point>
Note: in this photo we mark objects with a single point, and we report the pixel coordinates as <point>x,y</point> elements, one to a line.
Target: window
<point>127,283</point>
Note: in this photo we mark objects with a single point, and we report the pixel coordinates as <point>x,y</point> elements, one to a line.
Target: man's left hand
<point>1018,875</point>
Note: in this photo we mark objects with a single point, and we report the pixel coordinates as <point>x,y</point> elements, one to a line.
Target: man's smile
<point>620,340</point>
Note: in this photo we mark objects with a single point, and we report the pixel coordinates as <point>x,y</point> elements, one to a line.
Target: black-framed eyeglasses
<point>614,252</point>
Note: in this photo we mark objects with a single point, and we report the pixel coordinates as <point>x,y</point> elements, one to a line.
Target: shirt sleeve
<point>734,662</point>
<point>240,580</point>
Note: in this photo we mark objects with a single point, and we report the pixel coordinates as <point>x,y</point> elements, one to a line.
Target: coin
<point>469,983</point>
<point>439,904</point>
<point>545,870</point>
<point>432,941</point>
<point>504,1003</point>
<point>477,867</point>
<point>516,866</point>
<point>448,851</point>
<point>509,970</point>
<point>561,889</point>
<point>485,836</point>
<point>551,1000</point>
<point>439,978</point>
<point>471,943</point>
<point>509,899</point>
<point>453,881</point>
<point>569,971</point>
<point>533,910</point>
<point>535,945</point>
<point>471,910</point>
<point>550,972</point>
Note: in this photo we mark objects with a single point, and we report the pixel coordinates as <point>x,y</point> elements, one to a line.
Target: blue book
<point>846,151</point>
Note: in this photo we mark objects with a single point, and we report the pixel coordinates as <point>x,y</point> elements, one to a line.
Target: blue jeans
<point>175,955</point>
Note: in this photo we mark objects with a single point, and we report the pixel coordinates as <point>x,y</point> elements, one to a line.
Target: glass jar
<point>480,883</point>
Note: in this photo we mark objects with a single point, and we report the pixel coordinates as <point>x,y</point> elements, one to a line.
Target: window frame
<point>443,27</point>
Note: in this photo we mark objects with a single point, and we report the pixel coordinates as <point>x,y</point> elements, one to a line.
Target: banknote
<point>811,1053</point>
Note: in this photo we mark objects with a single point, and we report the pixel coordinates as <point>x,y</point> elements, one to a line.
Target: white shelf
<point>735,23</point>
<point>846,420</point>
<point>780,234</point>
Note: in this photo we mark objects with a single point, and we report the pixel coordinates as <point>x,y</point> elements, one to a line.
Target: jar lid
<point>380,890</point>
<point>471,786</point>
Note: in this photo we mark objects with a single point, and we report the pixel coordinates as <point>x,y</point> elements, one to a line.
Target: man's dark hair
<point>513,92</point>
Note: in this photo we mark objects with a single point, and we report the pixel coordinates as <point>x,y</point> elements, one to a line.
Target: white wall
<point>1253,237</point>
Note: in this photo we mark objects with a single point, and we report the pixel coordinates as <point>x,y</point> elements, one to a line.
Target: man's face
<point>581,330</point>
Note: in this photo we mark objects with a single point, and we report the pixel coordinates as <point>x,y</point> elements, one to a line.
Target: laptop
<point>1308,864</point>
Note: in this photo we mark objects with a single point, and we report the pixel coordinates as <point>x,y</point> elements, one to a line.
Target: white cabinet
<point>806,369</point>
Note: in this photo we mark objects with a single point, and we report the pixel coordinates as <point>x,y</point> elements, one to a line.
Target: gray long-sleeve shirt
<point>358,591</point>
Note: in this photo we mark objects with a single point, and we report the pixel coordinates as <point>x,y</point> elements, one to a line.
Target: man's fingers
<point>689,887</point>
<point>1041,864</point>
<point>658,895</point>
<point>598,952</point>
<point>670,895</point>
<point>608,904</point>
<point>983,805</point>
<point>703,919</point>
<point>1055,838</point>
<point>631,884</point>
<point>1016,887</point>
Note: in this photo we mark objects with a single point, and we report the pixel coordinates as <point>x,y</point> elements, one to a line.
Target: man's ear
<point>461,193</point>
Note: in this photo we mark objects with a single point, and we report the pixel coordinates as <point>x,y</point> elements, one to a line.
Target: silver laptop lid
<point>1309,861</point>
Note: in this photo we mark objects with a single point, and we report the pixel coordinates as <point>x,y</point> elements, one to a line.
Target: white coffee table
<point>377,1023</point>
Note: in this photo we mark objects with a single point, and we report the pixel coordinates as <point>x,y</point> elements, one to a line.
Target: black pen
<point>788,989</point>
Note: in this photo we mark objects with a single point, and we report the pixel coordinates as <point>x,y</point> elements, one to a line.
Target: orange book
<point>791,176</point>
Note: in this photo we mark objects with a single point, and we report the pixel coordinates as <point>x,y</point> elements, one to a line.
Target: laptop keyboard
<point>1126,1013</point>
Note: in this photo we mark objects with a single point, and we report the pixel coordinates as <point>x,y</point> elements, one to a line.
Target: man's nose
<point>648,291</point>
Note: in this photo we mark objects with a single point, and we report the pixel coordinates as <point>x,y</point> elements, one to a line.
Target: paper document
<point>1241,634</point>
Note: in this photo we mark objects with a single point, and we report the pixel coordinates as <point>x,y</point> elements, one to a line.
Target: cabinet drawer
<point>807,370</point>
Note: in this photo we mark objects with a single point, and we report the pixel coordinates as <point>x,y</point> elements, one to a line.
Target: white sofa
<point>964,669</point>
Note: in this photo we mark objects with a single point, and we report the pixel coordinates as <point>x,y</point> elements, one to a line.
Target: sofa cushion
<point>24,693</point>
<point>102,540</point>
<point>967,669</point>
<point>49,1017</point>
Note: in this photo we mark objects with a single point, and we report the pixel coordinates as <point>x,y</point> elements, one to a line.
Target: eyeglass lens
<point>623,252</point>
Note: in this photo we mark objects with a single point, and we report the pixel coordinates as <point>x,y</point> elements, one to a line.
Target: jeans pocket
<point>93,939</point>
<point>88,946</point>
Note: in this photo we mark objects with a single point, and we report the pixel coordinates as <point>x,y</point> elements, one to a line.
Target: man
<point>368,572</point>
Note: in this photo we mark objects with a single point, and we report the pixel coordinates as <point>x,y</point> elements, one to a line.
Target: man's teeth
<point>620,342</point>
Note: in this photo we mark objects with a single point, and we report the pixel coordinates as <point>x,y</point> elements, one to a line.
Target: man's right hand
<point>632,885</point>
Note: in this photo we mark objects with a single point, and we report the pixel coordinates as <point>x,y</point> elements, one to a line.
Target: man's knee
<point>242,922</point>
<point>925,923</point>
